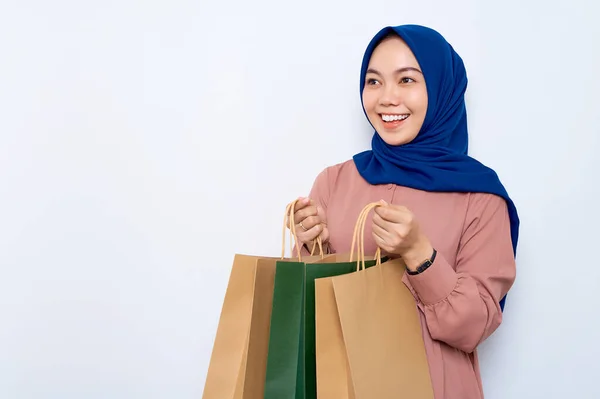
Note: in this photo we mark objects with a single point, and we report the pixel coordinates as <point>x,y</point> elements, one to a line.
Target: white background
<point>139,141</point>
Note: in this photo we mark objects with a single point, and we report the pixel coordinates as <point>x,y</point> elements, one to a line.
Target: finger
<point>301,203</point>
<point>378,221</point>
<point>310,234</point>
<point>321,214</point>
<point>308,223</point>
<point>307,212</point>
<point>380,242</point>
<point>381,233</point>
<point>391,213</point>
<point>389,229</point>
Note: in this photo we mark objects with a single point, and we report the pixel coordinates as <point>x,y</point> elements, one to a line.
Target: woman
<point>447,215</point>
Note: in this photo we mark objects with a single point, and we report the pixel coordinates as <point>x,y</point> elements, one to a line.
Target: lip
<point>393,124</point>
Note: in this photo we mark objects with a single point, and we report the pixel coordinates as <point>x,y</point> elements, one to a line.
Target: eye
<point>372,81</point>
<point>407,80</point>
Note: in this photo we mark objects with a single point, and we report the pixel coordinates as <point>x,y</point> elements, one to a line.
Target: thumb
<point>321,213</point>
<point>302,202</point>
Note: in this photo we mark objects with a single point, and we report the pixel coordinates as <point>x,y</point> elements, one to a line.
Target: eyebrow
<point>400,70</point>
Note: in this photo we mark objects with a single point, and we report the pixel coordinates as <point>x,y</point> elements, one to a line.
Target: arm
<point>461,304</point>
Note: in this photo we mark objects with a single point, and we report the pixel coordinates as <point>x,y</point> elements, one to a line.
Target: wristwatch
<point>423,266</point>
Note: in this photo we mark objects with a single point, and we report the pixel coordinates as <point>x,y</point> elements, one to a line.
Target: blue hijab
<point>436,160</point>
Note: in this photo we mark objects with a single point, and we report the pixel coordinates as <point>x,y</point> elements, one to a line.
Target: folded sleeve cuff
<point>435,283</point>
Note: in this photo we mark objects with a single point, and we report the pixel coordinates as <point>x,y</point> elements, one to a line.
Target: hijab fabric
<point>436,160</point>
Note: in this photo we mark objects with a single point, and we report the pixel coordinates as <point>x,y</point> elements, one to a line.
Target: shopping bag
<point>381,334</point>
<point>332,370</point>
<point>291,362</point>
<point>238,360</point>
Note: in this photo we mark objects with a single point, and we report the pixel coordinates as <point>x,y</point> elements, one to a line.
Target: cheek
<point>369,102</point>
<point>420,101</point>
<point>417,104</point>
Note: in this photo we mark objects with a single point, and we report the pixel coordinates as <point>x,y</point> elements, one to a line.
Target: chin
<point>396,139</point>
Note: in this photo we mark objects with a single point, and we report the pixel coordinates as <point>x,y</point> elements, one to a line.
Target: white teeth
<point>391,118</point>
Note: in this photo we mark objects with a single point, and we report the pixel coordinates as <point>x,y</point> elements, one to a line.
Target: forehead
<point>392,52</point>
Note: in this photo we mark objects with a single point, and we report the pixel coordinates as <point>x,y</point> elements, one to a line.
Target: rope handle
<point>289,216</point>
<point>359,235</point>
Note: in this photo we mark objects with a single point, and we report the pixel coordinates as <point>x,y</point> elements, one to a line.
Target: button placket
<point>392,188</point>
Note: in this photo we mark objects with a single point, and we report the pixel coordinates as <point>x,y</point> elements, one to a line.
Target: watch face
<point>424,266</point>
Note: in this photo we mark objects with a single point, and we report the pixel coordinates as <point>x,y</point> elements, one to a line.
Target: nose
<point>390,96</point>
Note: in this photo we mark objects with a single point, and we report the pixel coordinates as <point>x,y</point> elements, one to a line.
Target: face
<point>395,95</point>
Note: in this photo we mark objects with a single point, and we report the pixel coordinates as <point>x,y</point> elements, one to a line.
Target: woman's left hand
<point>397,232</point>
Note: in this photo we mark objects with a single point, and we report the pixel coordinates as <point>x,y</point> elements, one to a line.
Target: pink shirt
<point>458,296</point>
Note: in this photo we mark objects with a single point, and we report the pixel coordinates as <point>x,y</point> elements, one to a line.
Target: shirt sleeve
<point>461,302</point>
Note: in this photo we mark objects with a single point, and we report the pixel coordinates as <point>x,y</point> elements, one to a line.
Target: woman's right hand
<point>309,222</point>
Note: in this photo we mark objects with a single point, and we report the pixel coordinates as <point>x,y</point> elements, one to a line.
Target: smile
<point>393,118</point>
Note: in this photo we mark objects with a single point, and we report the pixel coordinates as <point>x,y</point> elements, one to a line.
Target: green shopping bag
<point>291,361</point>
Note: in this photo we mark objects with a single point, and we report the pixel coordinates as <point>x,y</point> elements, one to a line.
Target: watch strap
<point>423,266</point>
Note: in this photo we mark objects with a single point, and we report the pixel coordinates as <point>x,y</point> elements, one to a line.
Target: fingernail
<point>383,202</point>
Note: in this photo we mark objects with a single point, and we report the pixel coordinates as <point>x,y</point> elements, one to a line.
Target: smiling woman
<point>446,214</point>
<point>395,94</point>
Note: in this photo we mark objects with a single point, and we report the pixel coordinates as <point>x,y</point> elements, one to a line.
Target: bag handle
<point>359,235</point>
<point>289,216</point>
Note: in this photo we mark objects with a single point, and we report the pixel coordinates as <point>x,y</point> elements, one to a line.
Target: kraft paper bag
<point>238,361</point>
<point>332,370</point>
<point>231,340</point>
<point>382,334</point>
<point>368,332</point>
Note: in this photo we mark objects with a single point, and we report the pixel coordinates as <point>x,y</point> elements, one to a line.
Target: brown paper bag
<point>369,338</point>
<point>333,373</point>
<point>382,334</point>
<point>226,371</point>
<point>238,361</point>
